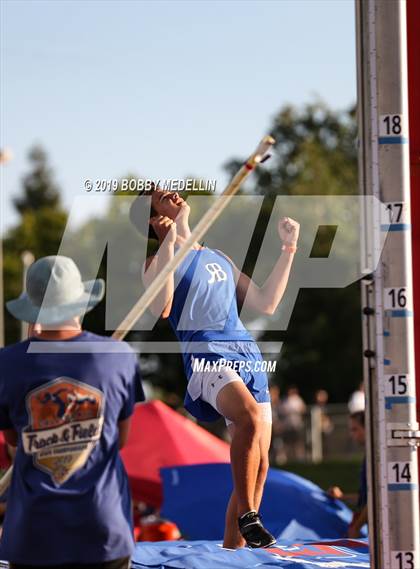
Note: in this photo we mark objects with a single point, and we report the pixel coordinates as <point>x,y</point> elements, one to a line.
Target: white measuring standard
<point>388,333</point>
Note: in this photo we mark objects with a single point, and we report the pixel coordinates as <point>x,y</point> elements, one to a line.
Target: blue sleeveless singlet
<point>205,319</point>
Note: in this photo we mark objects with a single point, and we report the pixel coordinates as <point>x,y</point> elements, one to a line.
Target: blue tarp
<point>195,498</point>
<point>343,554</point>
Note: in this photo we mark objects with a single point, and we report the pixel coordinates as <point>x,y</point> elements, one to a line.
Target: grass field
<point>344,474</point>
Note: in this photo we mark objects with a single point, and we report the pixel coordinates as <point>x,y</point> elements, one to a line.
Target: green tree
<point>39,189</point>
<point>40,228</point>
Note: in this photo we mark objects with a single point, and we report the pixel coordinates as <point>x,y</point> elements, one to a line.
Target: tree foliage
<point>39,189</point>
<point>40,228</point>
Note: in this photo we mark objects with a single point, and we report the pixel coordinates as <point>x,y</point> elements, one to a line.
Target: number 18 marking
<point>391,125</point>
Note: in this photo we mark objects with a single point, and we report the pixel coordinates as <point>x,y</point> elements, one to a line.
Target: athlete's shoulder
<point>221,253</point>
<point>224,256</point>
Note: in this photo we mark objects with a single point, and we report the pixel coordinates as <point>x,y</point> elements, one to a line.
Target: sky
<point>161,89</point>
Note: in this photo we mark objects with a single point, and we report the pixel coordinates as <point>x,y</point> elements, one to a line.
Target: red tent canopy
<point>161,437</point>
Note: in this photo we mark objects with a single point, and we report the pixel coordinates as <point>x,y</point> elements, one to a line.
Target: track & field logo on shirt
<point>65,423</point>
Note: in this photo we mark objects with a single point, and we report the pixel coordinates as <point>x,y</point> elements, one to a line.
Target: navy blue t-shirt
<point>69,500</point>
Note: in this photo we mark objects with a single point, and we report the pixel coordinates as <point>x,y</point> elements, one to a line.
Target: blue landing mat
<point>333,554</point>
<point>292,508</point>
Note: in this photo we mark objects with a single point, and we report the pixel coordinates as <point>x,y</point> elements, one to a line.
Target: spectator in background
<point>327,426</point>
<point>321,419</point>
<point>69,503</point>
<point>294,409</point>
<point>321,400</point>
<point>357,400</point>
<point>360,518</point>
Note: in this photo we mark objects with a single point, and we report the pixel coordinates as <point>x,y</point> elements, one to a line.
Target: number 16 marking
<point>397,298</point>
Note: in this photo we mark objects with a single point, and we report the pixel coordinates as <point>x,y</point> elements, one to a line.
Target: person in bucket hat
<point>67,409</point>
<point>55,292</point>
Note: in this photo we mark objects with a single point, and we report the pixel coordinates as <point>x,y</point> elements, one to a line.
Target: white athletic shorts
<point>208,384</point>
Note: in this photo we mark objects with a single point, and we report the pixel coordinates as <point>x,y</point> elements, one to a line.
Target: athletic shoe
<point>253,531</point>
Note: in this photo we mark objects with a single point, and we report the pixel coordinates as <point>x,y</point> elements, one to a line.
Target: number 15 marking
<point>397,384</point>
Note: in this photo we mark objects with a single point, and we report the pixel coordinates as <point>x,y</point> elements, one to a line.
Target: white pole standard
<point>393,434</point>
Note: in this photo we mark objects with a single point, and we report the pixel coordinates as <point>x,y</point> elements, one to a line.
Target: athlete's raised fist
<point>288,230</point>
<point>164,227</point>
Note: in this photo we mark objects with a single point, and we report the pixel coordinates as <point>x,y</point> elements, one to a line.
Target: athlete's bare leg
<point>236,403</point>
<point>232,537</point>
<point>265,440</point>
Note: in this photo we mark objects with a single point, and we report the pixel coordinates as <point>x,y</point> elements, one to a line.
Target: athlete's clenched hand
<point>164,227</point>
<point>288,230</point>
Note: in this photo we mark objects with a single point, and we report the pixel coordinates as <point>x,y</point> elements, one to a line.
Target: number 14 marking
<point>399,472</point>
